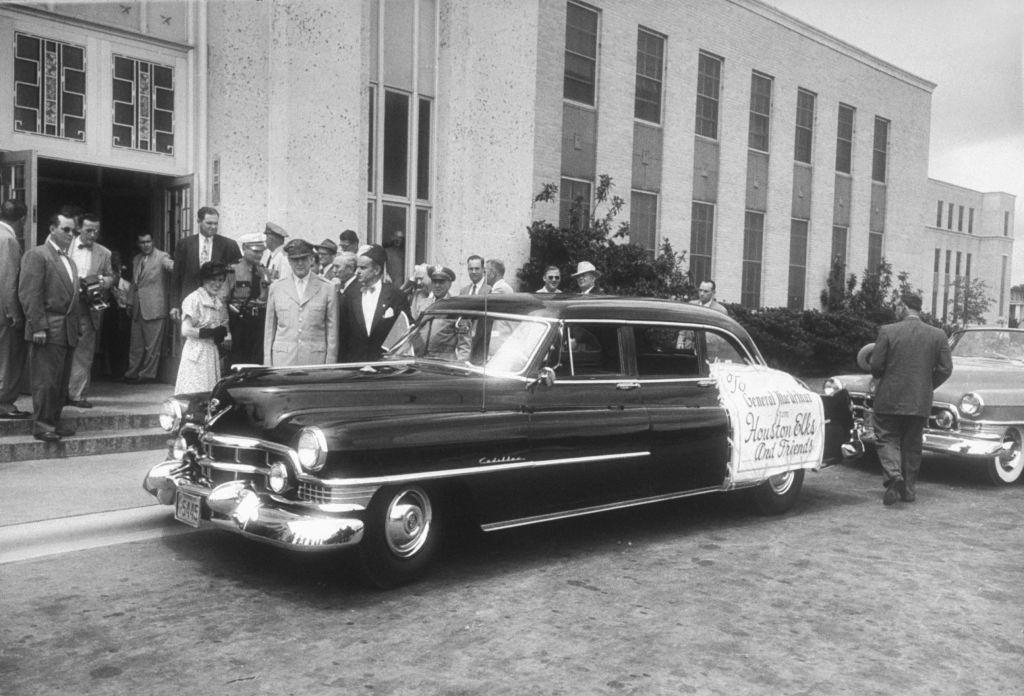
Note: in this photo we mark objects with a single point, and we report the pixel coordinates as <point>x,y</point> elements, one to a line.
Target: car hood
<point>987,376</point>
<point>261,400</point>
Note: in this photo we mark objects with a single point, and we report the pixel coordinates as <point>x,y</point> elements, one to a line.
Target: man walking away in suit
<point>151,280</point>
<point>48,290</point>
<point>195,250</point>
<point>910,359</point>
<point>475,270</point>
<point>302,314</point>
<point>12,319</point>
<point>369,310</point>
<point>92,260</point>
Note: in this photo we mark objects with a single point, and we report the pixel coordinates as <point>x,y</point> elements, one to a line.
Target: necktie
<point>474,290</point>
<point>204,256</point>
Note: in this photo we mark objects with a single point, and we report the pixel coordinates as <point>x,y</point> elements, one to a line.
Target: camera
<point>92,293</point>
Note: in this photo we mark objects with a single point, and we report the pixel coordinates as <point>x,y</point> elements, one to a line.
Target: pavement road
<point>698,596</point>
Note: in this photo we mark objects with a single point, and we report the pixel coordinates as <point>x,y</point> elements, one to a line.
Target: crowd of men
<point>289,302</point>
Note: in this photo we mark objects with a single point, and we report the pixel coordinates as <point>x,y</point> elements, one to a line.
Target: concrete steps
<point>123,419</point>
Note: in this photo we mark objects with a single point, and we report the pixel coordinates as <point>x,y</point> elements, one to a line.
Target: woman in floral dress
<point>204,325</point>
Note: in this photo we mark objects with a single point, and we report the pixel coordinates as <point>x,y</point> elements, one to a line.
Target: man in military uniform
<point>247,302</point>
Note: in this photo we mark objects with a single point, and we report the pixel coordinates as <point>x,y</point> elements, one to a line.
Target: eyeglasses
<point>554,277</point>
<point>67,229</point>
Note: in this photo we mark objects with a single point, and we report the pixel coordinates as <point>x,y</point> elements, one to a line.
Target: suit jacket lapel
<point>62,272</point>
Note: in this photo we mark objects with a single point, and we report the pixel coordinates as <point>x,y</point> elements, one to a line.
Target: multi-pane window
<point>49,87</point>
<point>709,82</point>
<point>804,126</point>
<point>650,66</point>
<point>797,263</point>
<point>945,285</point>
<point>143,95</point>
<point>970,221</point>
<point>702,229</point>
<point>643,219</point>
<point>1006,223</point>
<point>753,253</point>
<point>573,203</point>
<point>874,251</point>
<point>760,111</point>
<point>839,235</point>
<point>844,139</point>
<point>880,149</point>
<point>580,54</point>
<point>935,282</point>
<point>938,215</point>
<point>949,217</point>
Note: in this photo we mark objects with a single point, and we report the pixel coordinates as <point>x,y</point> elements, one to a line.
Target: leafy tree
<point>625,268</point>
<point>970,301</point>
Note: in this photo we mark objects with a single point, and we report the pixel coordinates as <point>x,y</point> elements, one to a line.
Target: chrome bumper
<point>952,444</point>
<point>235,507</point>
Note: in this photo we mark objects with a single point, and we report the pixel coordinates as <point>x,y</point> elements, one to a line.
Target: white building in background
<point>758,144</point>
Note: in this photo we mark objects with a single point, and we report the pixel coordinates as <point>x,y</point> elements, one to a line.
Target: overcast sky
<point>972,50</point>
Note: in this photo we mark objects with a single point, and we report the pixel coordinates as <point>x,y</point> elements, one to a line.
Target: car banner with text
<point>777,424</point>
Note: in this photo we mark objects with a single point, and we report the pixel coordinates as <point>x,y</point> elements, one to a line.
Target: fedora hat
<point>585,267</point>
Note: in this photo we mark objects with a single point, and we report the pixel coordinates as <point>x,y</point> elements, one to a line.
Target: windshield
<point>1001,345</point>
<point>505,344</point>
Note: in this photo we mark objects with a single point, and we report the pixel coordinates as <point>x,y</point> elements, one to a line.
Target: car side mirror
<point>546,376</point>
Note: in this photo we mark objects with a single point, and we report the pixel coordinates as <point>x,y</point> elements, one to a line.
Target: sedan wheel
<point>779,493</point>
<point>1007,471</point>
<point>402,529</point>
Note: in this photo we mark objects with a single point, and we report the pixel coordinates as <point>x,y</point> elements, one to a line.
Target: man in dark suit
<point>192,252</point>
<point>369,310</point>
<point>151,279</point>
<point>48,290</point>
<point>910,359</point>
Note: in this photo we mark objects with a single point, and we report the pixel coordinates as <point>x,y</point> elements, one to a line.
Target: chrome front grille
<point>335,495</point>
<point>238,455</point>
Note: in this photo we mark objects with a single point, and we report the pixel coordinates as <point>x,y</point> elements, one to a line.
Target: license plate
<point>188,508</point>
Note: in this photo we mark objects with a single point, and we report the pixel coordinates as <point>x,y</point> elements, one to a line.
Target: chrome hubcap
<point>1014,462</point>
<point>781,483</point>
<point>407,522</point>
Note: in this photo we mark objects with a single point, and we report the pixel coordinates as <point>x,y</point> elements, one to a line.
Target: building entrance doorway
<point>127,202</point>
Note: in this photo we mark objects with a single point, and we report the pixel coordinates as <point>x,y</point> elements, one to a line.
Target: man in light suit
<point>301,326</point>
<point>151,283</point>
<point>475,270</point>
<point>370,309</point>
<point>92,260</point>
<point>12,319</point>
<point>494,271</point>
<point>48,290</point>
<point>195,250</point>
<point>910,359</point>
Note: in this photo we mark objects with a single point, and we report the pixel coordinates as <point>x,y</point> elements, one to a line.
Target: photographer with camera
<point>204,326</point>
<point>96,276</point>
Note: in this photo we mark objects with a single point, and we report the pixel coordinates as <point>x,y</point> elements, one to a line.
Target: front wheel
<point>1003,472</point>
<point>779,493</point>
<point>402,530</point>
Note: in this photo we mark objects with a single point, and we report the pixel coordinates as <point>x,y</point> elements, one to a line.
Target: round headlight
<point>944,419</point>
<point>832,386</point>
<point>277,477</point>
<point>311,448</point>
<point>171,413</point>
<point>971,404</point>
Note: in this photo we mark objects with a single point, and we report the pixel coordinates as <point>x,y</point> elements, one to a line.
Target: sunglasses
<point>67,229</point>
<point>554,277</point>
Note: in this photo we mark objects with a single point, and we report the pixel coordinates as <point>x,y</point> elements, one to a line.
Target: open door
<point>178,213</point>
<point>18,181</point>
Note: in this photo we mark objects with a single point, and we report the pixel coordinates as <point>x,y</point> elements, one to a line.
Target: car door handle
<point>627,386</point>
<point>705,383</point>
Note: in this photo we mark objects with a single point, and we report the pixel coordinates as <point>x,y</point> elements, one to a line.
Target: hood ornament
<point>215,411</point>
